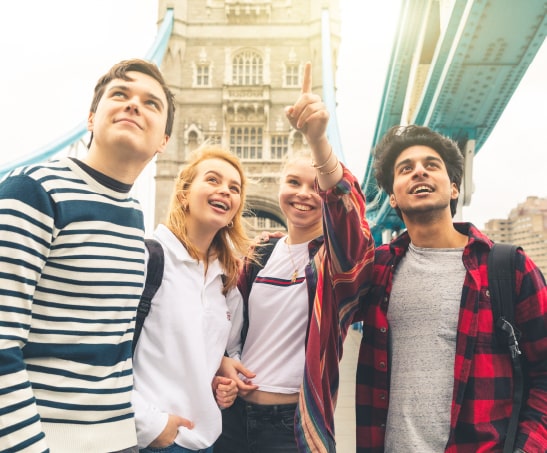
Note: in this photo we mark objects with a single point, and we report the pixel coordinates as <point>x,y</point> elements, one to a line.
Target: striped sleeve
<point>26,226</point>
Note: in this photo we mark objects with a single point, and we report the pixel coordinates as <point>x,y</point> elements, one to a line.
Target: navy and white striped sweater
<point>71,273</point>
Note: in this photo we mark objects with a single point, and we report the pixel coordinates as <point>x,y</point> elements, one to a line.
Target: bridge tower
<point>233,66</point>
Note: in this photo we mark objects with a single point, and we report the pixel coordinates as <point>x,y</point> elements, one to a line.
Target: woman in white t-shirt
<point>277,320</point>
<point>300,304</point>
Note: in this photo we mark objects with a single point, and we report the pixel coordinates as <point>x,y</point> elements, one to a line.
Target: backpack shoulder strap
<point>263,252</point>
<point>154,276</point>
<point>501,283</point>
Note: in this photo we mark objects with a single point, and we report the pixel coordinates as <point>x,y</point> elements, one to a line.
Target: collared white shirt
<point>181,345</point>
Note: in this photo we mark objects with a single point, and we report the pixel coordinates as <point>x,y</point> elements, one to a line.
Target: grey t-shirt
<point>423,318</point>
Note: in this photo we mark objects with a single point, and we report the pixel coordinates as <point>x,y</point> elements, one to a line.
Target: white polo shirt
<point>180,348</point>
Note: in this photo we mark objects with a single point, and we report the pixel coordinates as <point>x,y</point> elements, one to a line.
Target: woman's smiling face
<point>214,196</point>
<point>297,196</point>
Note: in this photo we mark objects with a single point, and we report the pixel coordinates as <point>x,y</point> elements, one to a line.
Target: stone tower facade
<point>234,65</point>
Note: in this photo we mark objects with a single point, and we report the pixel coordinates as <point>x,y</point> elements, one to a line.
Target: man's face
<point>130,119</point>
<point>421,184</point>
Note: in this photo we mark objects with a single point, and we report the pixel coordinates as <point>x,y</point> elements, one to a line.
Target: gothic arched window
<point>247,68</point>
<point>246,142</point>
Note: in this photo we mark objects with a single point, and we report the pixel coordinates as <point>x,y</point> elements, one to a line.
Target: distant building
<point>527,227</point>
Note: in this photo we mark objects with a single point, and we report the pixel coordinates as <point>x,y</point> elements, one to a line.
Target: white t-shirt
<point>278,316</point>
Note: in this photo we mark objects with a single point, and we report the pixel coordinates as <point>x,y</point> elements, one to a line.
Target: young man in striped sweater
<point>71,273</point>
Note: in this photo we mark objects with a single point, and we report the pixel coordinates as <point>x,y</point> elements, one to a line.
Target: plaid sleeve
<point>345,268</point>
<point>531,320</point>
<point>349,243</point>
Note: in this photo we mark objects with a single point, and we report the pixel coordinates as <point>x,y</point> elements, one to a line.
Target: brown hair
<point>230,243</point>
<point>119,71</point>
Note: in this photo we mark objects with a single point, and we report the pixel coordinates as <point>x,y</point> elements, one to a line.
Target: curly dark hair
<point>399,138</point>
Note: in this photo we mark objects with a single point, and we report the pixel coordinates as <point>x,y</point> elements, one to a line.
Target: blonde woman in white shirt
<point>196,310</point>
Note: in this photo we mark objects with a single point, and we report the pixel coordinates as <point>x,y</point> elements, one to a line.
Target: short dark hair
<point>120,70</point>
<point>399,138</point>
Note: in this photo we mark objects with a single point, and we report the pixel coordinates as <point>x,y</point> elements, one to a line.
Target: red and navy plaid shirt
<point>482,395</point>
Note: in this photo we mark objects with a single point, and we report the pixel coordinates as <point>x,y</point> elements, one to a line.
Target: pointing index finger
<point>306,83</point>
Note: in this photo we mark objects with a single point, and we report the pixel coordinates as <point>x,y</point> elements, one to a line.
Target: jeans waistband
<point>267,408</point>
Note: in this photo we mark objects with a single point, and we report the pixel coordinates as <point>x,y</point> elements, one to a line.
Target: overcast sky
<point>55,50</point>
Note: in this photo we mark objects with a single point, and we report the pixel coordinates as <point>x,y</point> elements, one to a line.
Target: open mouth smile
<point>421,189</point>
<point>301,207</point>
<point>219,204</point>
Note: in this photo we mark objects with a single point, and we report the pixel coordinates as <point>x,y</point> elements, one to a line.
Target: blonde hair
<point>295,156</point>
<point>230,243</point>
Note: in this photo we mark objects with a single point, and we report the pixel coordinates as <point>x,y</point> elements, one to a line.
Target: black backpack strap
<point>501,283</point>
<point>262,255</point>
<point>154,276</point>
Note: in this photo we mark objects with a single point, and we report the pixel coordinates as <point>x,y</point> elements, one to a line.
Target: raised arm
<point>310,116</point>
<point>343,267</point>
<point>347,234</point>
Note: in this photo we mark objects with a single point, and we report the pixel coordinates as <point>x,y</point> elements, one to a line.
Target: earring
<point>230,224</point>
<point>182,200</point>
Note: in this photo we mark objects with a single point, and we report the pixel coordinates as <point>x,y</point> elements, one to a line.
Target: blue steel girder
<point>480,59</point>
<point>391,108</point>
<point>455,75</point>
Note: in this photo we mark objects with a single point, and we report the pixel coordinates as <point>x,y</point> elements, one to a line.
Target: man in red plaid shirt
<point>431,375</point>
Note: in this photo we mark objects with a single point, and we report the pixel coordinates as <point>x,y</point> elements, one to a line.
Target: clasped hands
<point>226,386</point>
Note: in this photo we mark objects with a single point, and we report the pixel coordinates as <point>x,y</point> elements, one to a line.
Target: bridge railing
<point>74,138</point>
